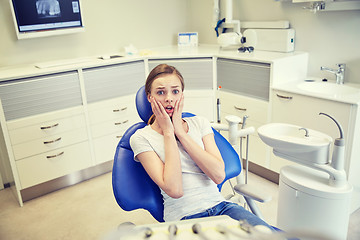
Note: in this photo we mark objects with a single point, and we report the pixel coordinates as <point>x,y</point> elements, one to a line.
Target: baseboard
<point>263,172</point>
<point>65,181</point>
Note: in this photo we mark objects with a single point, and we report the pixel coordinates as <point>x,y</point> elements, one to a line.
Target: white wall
<point>110,25</point>
<point>329,37</point>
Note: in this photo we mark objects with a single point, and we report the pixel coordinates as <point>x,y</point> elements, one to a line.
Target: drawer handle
<point>48,127</point>
<point>284,97</point>
<point>52,141</point>
<point>240,109</point>
<point>119,123</point>
<point>119,110</point>
<point>56,155</point>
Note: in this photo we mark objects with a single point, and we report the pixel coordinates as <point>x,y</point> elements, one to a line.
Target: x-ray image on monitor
<point>37,18</point>
<point>48,8</point>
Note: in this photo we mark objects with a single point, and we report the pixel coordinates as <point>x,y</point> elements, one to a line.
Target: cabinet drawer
<point>44,167</point>
<point>118,126</point>
<point>119,108</point>
<point>53,142</point>
<point>105,147</point>
<point>36,95</point>
<point>46,129</point>
<point>233,104</point>
<point>113,81</point>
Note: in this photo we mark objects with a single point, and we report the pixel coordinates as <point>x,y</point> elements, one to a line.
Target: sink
<point>289,142</point>
<point>328,88</point>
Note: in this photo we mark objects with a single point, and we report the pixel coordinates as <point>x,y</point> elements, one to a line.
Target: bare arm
<point>168,175</point>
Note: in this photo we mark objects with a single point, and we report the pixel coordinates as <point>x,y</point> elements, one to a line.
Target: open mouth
<point>169,109</point>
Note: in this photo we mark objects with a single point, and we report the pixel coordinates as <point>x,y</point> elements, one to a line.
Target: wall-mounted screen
<point>40,18</point>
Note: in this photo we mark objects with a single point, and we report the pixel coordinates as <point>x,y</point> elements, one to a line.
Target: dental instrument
<point>196,228</point>
<point>172,231</point>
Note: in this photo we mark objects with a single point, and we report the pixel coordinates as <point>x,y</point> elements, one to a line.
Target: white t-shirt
<point>200,192</point>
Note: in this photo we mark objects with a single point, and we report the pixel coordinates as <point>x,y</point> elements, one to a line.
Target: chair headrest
<point>143,106</point>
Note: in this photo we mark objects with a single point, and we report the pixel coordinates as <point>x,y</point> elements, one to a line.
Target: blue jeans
<point>232,210</point>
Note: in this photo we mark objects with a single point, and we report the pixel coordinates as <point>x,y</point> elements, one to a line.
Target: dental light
<point>234,38</point>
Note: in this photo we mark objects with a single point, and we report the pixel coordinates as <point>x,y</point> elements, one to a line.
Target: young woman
<point>180,154</point>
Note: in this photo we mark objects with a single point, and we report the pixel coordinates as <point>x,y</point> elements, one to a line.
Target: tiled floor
<point>88,211</point>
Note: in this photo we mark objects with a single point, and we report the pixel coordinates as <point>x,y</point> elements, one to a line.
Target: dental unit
<point>314,196</point>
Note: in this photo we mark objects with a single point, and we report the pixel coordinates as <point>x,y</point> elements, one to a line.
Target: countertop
<point>293,87</point>
<point>173,52</point>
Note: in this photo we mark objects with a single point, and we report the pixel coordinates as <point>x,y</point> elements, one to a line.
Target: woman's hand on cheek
<point>177,116</point>
<point>162,117</point>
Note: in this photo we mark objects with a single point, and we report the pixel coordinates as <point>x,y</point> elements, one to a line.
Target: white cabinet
<point>47,146</point>
<point>108,122</point>
<point>110,93</point>
<point>256,110</point>
<point>245,91</point>
<point>42,119</point>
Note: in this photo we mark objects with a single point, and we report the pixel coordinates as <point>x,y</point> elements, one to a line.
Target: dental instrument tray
<point>217,227</point>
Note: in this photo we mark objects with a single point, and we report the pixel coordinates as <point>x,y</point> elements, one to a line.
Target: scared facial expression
<point>166,89</point>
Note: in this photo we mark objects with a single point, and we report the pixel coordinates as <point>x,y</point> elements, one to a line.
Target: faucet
<point>306,131</point>
<point>339,73</point>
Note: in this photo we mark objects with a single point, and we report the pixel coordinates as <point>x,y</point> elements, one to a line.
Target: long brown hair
<point>158,71</point>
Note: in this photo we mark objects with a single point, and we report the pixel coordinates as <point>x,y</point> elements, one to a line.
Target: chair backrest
<point>133,188</point>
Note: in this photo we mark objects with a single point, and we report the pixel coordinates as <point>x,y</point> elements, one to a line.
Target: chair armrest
<point>253,193</point>
<point>220,126</point>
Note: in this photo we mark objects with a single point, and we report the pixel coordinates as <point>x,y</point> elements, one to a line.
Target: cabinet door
<point>30,96</point>
<point>114,81</point>
<point>304,111</point>
<point>257,112</point>
<point>197,73</point>
<point>246,78</point>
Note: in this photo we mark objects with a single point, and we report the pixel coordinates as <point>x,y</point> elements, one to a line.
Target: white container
<point>307,203</point>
